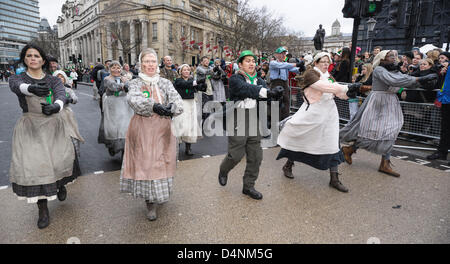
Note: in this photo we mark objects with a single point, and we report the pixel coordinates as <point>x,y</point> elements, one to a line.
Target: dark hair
<point>51,58</point>
<point>345,56</point>
<point>204,57</point>
<point>39,49</point>
<point>378,47</point>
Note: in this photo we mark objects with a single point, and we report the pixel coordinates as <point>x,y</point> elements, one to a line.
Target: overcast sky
<point>299,15</point>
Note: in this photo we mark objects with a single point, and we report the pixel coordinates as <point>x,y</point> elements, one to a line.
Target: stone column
<point>108,41</point>
<point>119,37</point>
<point>144,43</point>
<point>132,42</point>
<point>89,49</point>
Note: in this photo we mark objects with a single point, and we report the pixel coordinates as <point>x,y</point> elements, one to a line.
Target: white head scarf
<point>180,69</point>
<point>321,55</point>
<point>380,56</point>
<point>153,81</point>
<point>56,73</point>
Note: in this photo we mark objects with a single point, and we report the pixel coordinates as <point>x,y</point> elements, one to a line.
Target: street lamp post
<point>370,27</point>
<point>221,48</point>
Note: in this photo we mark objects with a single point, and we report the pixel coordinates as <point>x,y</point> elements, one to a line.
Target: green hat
<point>280,50</point>
<point>246,53</point>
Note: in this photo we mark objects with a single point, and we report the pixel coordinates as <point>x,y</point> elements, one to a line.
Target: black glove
<point>424,79</point>
<point>125,88</point>
<point>275,93</point>
<point>300,64</point>
<point>162,110</point>
<point>49,109</point>
<point>39,89</point>
<point>169,110</point>
<point>353,90</point>
<point>215,69</point>
<point>69,100</point>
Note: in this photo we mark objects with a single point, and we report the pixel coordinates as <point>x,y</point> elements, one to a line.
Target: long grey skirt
<point>377,123</point>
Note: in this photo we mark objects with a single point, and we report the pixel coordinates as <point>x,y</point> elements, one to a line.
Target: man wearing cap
<point>246,88</point>
<point>279,74</point>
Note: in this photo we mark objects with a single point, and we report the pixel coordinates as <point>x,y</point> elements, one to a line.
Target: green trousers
<point>238,146</point>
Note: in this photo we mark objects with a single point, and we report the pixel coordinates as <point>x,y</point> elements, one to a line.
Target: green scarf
<point>248,77</point>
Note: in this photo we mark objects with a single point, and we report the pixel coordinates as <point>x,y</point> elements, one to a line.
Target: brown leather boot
<point>287,169</point>
<point>385,167</point>
<point>348,151</point>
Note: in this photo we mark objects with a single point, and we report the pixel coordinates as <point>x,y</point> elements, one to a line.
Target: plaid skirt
<point>155,191</point>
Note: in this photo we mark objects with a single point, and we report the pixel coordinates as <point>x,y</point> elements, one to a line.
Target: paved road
<point>411,209</point>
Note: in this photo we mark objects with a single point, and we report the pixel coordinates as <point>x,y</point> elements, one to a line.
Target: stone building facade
<point>120,30</point>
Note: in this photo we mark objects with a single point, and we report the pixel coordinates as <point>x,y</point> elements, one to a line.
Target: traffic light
<point>396,13</point>
<point>351,8</point>
<point>79,58</point>
<point>371,7</point>
<point>437,38</point>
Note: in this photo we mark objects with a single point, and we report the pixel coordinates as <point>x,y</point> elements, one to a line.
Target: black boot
<point>252,193</point>
<point>335,183</point>
<point>62,193</point>
<point>44,217</point>
<point>188,151</point>
<point>287,169</point>
<point>111,152</point>
<point>223,177</point>
<point>151,207</point>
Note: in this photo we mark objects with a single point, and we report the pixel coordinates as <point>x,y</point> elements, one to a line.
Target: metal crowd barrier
<point>423,120</point>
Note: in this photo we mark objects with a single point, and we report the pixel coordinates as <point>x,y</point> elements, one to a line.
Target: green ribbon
<point>251,78</point>
<point>146,94</point>
<point>116,93</point>
<point>49,97</point>
<point>331,80</point>
<point>401,90</point>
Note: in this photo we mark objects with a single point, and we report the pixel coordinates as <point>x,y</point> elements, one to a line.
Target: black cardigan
<point>240,89</point>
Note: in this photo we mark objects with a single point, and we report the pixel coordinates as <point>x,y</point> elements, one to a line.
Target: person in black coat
<point>342,70</point>
<point>246,88</point>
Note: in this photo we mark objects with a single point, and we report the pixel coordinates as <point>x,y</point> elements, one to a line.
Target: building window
<point>183,4</point>
<point>183,31</point>
<point>154,31</point>
<point>195,9</point>
<point>207,14</point>
<point>170,33</point>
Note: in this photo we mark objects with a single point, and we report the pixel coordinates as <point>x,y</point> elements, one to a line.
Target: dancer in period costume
<point>187,125</point>
<point>69,120</point>
<point>245,89</point>
<point>378,121</point>
<point>311,136</point>
<point>117,113</point>
<point>42,152</point>
<point>149,161</point>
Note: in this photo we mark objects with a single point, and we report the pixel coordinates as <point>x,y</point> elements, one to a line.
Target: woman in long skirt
<point>149,161</point>
<point>379,120</point>
<point>116,111</point>
<point>187,125</point>
<point>69,119</point>
<point>311,136</point>
<point>42,152</point>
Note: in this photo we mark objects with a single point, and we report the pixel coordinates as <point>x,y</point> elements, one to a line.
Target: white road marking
<point>422,162</point>
<point>99,172</point>
<point>86,94</point>
<point>3,187</point>
<point>206,156</point>
<point>400,157</point>
<point>445,166</point>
